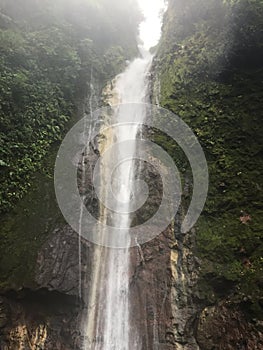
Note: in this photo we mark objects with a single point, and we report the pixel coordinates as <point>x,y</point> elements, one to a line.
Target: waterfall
<point>108,315</point>
<point>109,325</point>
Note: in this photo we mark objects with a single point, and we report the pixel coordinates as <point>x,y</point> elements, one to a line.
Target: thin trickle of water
<point>86,135</point>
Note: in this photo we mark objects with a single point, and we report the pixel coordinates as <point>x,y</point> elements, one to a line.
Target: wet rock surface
<point>163,279</point>
<point>58,262</point>
<point>162,292</point>
<point>150,284</point>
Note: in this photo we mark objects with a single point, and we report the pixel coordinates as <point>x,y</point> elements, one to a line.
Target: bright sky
<point>150,29</point>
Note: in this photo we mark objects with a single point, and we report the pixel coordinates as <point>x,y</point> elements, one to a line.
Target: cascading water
<point>109,325</point>
<point>108,318</point>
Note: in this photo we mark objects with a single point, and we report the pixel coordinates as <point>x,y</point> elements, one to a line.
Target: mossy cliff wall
<point>208,70</point>
<point>56,57</point>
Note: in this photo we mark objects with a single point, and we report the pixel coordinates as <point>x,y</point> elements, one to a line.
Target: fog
<point>150,28</point>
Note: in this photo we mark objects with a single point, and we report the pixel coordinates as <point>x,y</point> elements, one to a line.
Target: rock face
<point>48,316</point>
<point>185,273</point>
<point>151,292</point>
<point>164,307</point>
<point>39,320</point>
<point>160,293</point>
<point>163,279</point>
<point>222,327</point>
<point>58,263</point>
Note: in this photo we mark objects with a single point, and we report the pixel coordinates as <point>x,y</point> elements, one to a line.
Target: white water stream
<point>108,317</point>
<point>131,87</point>
<point>109,325</point>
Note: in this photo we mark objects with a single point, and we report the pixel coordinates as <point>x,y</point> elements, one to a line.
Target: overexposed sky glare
<point>150,29</point>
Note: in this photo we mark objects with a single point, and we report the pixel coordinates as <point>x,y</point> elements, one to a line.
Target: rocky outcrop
<point>163,278</point>
<point>161,292</point>
<point>150,288</point>
<point>48,316</point>
<point>40,319</point>
<point>225,327</point>
<point>59,261</point>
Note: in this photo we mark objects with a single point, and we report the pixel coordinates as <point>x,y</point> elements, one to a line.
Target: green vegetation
<point>48,50</point>
<point>210,70</point>
<point>26,228</point>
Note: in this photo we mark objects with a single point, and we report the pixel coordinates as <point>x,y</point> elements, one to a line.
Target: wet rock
<point>58,262</point>
<point>162,278</point>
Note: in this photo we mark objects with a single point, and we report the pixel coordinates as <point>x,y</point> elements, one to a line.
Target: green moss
<point>204,83</point>
<point>26,227</point>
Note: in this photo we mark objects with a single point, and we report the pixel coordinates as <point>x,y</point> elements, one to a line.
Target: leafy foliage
<point>48,50</point>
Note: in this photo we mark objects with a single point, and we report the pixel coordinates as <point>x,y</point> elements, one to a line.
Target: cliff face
<point>39,320</point>
<point>162,305</point>
<point>163,278</point>
<point>208,70</point>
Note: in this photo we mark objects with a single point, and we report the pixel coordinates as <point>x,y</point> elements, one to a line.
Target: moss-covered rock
<point>207,77</point>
